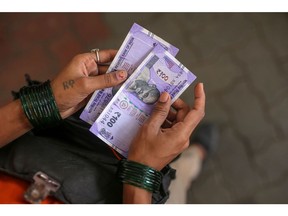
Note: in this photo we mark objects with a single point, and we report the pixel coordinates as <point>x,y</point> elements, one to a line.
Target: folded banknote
<point>133,103</point>
<point>138,43</point>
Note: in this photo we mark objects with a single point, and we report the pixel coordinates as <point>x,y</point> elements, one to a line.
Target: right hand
<point>155,146</point>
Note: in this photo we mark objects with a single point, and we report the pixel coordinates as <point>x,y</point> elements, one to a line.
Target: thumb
<point>160,111</point>
<point>104,81</point>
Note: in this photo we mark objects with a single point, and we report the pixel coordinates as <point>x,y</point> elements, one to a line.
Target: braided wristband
<point>139,175</point>
<point>39,105</point>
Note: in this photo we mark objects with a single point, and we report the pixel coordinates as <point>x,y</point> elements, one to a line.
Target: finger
<point>96,67</point>
<point>105,56</point>
<point>91,84</point>
<point>182,109</point>
<point>199,98</point>
<point>160,112</point>
<point>171,115</point>
<point>167,124</point>
<point>193,118</point>
<point>102,69</point>
<point>180,104</point>
<point>93,72</point>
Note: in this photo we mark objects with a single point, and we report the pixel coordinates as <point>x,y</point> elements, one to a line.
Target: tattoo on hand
<point>68,84</point>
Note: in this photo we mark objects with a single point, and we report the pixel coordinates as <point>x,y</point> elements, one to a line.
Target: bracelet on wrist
<point>139,175</point>
<point>39,105</point>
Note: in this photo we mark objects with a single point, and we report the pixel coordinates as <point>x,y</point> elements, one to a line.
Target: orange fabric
<point>12,190</point>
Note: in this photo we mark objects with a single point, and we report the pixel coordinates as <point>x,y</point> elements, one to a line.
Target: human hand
<point>81,77</point>
<point>155,146</point>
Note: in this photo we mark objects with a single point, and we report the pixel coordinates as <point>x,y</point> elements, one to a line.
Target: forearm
<point>14,122</point>
<point>136,195</point>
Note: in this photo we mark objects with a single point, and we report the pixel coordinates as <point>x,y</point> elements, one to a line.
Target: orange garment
<point>12,190</point>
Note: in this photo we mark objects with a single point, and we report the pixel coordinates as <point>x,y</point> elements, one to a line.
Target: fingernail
<point>121,75</point>
<point>164,97</point>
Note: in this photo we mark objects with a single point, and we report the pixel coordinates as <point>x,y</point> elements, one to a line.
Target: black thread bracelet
<point>139,175</point>
<point>39,105</point>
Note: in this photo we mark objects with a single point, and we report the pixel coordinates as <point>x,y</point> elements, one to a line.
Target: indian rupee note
<point>138,43</point>
<point>119,122</point>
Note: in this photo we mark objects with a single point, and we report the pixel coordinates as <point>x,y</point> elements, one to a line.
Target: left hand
<point>80,78</point>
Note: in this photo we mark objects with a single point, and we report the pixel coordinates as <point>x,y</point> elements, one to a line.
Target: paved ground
<point>241,58</point>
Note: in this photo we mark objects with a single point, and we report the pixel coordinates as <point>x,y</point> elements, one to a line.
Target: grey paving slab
<point>280,115</point>
<point>275,193</point>
<point>273,161</point>
<point>261,70</point>
<point>249,117</point>
<point>210,188</point>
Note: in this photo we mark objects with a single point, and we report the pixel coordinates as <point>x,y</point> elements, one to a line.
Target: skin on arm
<point>14,122</point>
<point>155,146</point>
<point>71,89</point>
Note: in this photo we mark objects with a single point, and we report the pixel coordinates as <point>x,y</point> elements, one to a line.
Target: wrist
<point>39,105</point>
<point>139,175</point>
<point>15,122</point>
<point>25,123</point>
<point>133,195</point>
<point>148,162</point>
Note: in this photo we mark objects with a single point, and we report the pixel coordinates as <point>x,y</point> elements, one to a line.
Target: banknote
<point>138,43</point>
<point>119,122</point>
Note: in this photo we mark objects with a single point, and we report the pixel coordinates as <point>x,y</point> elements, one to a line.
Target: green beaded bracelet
<point>139,175</point>
<point>39,105</point>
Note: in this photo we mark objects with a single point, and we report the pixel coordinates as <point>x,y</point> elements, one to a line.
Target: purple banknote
<point>134,102</point>
<point>137,45</point>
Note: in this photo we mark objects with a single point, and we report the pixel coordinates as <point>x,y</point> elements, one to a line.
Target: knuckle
<point>77,58</point>
<point>107,80</point>
<point>149,127</point>
<point>183,143</point>
<point>180,125</point>
<point>145,128</point>
<point>185,146</point>
<point>182,140</point>
<point>160,110</point>
<point>185,106</point>
<point>202,114</point>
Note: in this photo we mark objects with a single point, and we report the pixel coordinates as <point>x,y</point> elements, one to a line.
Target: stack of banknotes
<point>117,113</point>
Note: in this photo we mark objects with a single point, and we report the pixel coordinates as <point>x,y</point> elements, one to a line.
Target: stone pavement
<point>242,58</point>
